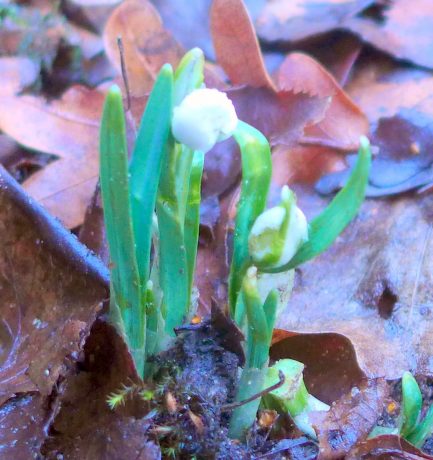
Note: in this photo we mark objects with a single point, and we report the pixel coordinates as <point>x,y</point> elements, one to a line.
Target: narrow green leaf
<point>423,430</point>
<point>325,228</point>
<point>118,223</point>
<point>256,179</point>
<point>412,404</point>
<point>189,74</point>
<point>172,253</point>
<point>145,168</point>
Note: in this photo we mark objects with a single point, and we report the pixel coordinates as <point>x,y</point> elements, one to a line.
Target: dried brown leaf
<point>68,128</point>
<point>236,45</point>
<point>350,419</point>
<point>51,290</point>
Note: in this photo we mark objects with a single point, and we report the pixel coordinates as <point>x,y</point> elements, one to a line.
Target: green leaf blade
<point>117,216</point>
<point>147,159</point>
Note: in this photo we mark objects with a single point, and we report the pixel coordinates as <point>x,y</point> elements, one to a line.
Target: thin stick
<point>124,73</point>
<point>231,406</point>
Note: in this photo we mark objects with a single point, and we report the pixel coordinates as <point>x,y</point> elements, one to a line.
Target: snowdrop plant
<point>151,210</point>
<point>267,249</point>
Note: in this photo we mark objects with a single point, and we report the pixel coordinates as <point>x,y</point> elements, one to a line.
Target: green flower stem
<point>251,382</point>
<point>324,229</point>
<point>173,209</point>
<point>145,168</point>
<point>192,217</point>
<point>261,319</point>
<point>258,334</point>
<point>125,279</point>
<point>256,179</point>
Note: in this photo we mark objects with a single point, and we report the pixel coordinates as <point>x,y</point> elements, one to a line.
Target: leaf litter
<point>366,302</point>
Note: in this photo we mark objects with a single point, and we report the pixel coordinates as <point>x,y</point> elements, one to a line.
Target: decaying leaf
<point>331,367</point>
<point>24,421</point>
<point>51,290</point>
<point>85,427</point>
<point>386,447</point>
<point>350,419</point>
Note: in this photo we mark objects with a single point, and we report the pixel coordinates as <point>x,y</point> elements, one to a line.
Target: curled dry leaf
<point>147,44</point>
<point>350,419</point>
<point>403,30</point>
<point>67,128</point>
<point>281,20</point>
<point>51,290</point>
<point>331,367</point>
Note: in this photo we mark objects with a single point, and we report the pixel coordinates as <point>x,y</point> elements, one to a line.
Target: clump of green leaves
<point>152,198</point>
<point>151,206</point>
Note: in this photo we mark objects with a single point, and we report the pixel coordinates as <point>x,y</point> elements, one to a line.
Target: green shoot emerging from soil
<point>412,426</point>
<point>151,210</point>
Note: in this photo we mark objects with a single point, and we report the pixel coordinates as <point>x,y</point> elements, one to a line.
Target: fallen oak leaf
<point>68,128</point>
<point>52,290</point>
<point>301,73</point>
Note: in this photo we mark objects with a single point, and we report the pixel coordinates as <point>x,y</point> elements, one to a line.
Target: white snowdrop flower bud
<point>204,117</point>
<point>278,233</point>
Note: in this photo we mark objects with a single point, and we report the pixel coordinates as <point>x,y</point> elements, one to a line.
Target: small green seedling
<point>151,211</point>
<point>411,425</point>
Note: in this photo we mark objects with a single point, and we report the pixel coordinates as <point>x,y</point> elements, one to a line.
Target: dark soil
<point>187,416</point>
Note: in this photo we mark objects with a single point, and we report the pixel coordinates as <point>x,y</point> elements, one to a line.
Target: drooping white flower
<point>278,233</point>
<point>204,117</point>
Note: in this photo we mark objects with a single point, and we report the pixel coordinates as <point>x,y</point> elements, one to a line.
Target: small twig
<point>191,327</point>
<point>124,73</point>
<point>231,406</point>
